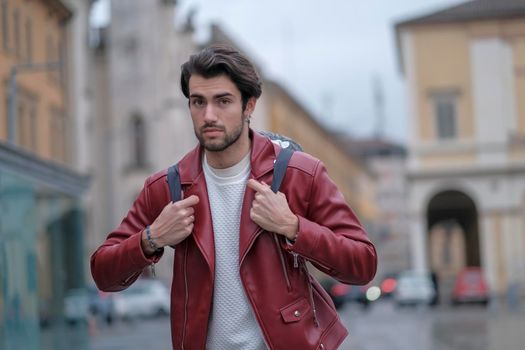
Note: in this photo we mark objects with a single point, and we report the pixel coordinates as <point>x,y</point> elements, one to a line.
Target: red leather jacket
<point>292,309</point>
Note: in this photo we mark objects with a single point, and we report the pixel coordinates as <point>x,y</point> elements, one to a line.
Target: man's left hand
<point>271,211</point>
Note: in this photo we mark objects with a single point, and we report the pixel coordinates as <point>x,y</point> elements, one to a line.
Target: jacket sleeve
<point>119,261</point>
<point>331,236</point>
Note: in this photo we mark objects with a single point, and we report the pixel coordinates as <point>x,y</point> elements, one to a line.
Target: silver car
<point>413,288</point>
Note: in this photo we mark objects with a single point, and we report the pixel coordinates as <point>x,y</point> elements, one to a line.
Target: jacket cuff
<point>307,237</point>
<point>136,254</point>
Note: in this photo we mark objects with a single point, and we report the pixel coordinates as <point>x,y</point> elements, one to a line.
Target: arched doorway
<point>453,236</point>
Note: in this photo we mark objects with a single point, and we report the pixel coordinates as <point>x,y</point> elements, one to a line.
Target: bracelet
<point>150,240</point>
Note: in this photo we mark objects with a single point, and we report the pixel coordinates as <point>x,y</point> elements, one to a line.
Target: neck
<point>230,156</point>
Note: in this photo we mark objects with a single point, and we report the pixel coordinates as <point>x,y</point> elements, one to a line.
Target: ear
<point>250,106</point>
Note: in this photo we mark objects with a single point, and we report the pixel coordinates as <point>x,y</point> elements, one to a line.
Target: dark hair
<point>221,59</point>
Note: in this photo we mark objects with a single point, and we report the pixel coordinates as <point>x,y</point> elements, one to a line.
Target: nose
<point>209,114</point>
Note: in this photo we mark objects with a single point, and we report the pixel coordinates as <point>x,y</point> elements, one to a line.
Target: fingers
<point>257,186</point>
<point>189,202</point>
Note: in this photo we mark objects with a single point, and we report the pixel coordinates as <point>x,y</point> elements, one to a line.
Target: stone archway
<point>452,224</point>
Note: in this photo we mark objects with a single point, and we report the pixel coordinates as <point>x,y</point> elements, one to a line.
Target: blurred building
<point>41,214</point>
<point>387,163</point>
<point>141,123</point>
<point>280,112</point>
<point>465,75</point>
<point>289,117</point>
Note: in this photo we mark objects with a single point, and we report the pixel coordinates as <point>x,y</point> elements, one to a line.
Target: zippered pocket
<point>283,261</point>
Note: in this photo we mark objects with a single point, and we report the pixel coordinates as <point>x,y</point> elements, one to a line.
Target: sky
<point>329,54</point>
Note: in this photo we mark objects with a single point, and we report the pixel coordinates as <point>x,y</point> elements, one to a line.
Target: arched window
<point>138,140</point>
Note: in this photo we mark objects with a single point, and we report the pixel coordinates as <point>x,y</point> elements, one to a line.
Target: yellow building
<point>464,68</point>
<point>41,217</point>
<point>280,112</point>
<point>288,117</point>
<point>32,42</point>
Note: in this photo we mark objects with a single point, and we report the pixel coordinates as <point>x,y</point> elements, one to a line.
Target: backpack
<point>281,163</point>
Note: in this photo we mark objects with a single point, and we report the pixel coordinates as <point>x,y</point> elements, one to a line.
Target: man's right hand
<point>173,224</point>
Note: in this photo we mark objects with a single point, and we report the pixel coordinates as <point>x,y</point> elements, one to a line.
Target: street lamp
<point>11,98</point>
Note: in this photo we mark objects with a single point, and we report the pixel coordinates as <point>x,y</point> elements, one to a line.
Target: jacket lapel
<point>194,183</point>
<point>192,178</point>
<point>262,160</point>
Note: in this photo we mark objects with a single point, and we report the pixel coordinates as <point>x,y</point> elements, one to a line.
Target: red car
<point>470,287</point>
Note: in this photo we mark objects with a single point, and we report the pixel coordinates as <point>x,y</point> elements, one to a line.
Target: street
<point>382,326</point>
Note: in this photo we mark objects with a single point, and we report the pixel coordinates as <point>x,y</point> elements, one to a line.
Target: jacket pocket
<point>295,311</point>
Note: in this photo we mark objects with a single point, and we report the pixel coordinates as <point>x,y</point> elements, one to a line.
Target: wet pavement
<point>466,327</point>
<point>382,326</point>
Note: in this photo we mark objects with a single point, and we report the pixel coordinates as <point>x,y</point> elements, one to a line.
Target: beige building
<point>280,112</point>
<point>140,121</point>
<point>33,38</point>
<point>465,77</point>
<point>287,116</point>
<point>41,217</point>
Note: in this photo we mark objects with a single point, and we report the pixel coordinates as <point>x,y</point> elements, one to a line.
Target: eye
<point>197,102</point>
<point>224,101</point>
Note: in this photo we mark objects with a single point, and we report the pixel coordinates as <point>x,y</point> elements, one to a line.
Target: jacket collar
<point>261,159</point>
<point>190,168</point>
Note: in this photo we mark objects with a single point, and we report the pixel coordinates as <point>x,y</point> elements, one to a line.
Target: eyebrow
<point>224,94</point>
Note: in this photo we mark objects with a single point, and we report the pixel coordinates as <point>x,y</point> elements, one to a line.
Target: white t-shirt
<point>232,322</point>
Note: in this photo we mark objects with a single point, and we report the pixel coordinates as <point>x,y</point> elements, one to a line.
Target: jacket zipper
<point>153,270</point>
<point>310,291</point>
<point>283,265</point>
<point>295,259</point>
<point>259,230</point>
<point>185,295</point>
<point>247,294</point>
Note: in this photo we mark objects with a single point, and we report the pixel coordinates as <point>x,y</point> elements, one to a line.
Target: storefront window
<point>43,304</point>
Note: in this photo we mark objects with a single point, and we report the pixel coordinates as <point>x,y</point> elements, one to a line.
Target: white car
<point>414,288</point>
<point>144,298</point>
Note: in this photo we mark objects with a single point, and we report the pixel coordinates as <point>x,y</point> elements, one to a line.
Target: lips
<point>212,130</point>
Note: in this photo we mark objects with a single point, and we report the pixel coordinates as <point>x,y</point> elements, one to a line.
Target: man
<point>239,275</point>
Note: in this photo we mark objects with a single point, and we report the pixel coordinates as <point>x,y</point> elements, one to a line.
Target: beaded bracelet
<point>150,240</point>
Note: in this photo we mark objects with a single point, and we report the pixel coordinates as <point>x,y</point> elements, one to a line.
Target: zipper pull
<point>295,260</point>
<point>152,266</point>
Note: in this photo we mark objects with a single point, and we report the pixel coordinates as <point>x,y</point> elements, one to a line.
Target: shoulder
<point>304,162</point>
<point>157,178</point>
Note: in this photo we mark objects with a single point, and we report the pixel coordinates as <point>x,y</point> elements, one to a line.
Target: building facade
<point>464,70</point>
<point>41,212</point>
<point>387,163</point>
<point>141,122</point>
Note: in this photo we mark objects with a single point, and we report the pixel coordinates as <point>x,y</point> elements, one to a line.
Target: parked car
<point>388,285</point>
<point>144,298</point>
<point>101,304</point>
<point>414,288</point>
<point>342,293</point>
<point>470,287</point>
<point>76,306</point>
<point>338,291</point>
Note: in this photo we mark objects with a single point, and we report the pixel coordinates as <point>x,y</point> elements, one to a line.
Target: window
<point>445,115</point>
<point>16,24</point>
<point>49,55</point>
<point>58,135</point>
<point>26,122</point>
<point>29,40</point>
<point>5,25</point>
<point>61,72</point>
<point>139,141</point>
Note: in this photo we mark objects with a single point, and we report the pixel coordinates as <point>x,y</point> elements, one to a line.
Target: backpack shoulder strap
<point>174,183</point>
<point>279,168</point>
<point>281,163</point>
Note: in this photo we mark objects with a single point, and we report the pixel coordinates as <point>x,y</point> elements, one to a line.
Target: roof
<point>371,147</point>
<point>476,10</point>
<point>472,11</point>
<point>329,135</point>
<point>60,8</point>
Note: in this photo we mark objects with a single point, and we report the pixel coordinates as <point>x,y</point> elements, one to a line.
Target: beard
<point>228,139</point>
